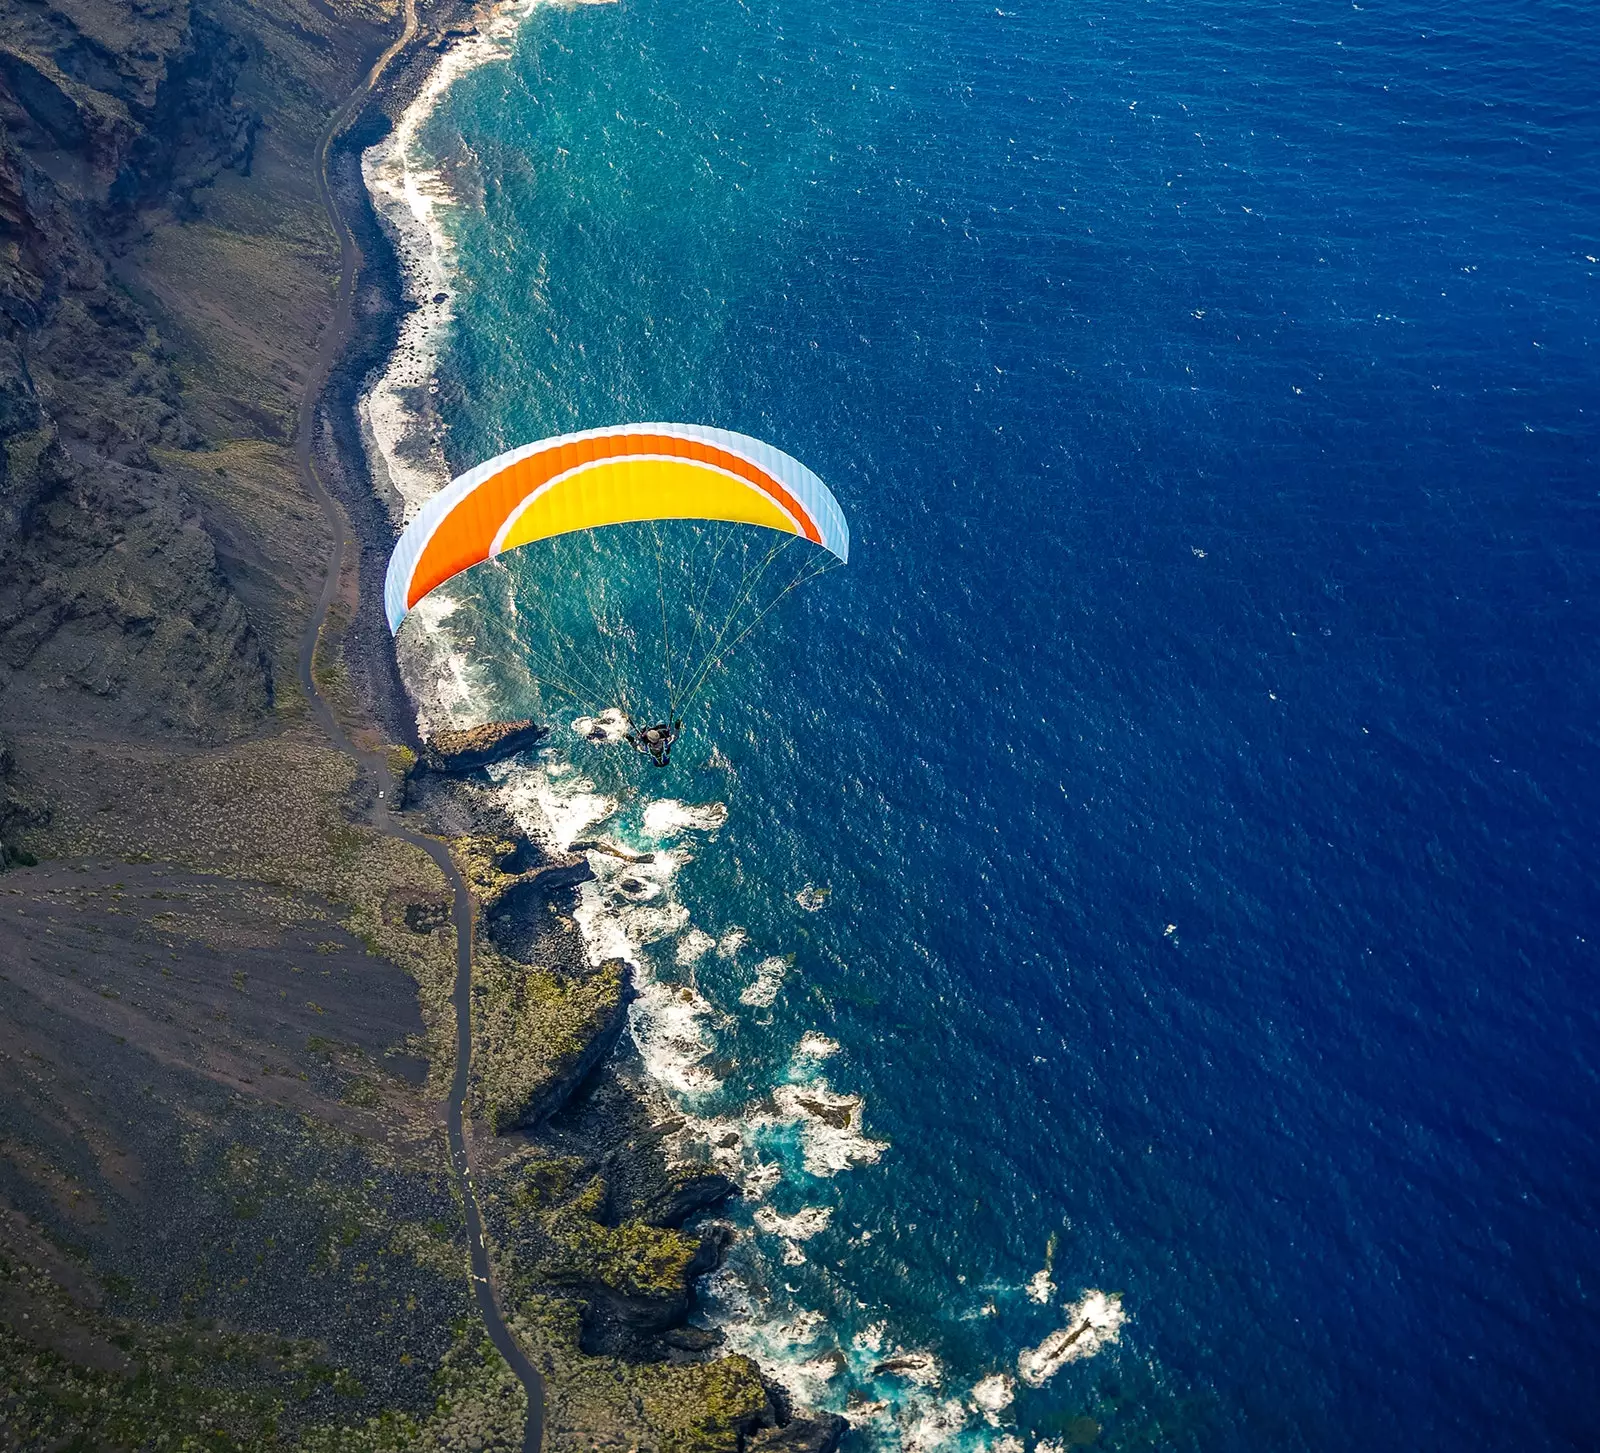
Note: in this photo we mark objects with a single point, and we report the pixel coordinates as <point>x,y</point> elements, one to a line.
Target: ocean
<point>1150,891</point>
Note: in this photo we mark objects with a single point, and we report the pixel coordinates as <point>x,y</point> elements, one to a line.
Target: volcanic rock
<point>455,752</point>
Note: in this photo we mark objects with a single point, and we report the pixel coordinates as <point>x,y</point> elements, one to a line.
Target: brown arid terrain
<point>234,976</point>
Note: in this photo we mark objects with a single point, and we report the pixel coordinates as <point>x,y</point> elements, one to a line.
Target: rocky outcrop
<point>530,890</point>
<point>17,813</point>
<point>684,1192</point>
<point>537,1034</point>
<point>454,753</point>
<point>634,1283</point>
<point>135,102</point>
<point>813,1433</point>
<point>644,1318</point>
<point>515,885</point>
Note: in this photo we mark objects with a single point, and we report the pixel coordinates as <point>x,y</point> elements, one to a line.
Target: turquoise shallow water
<point>1199,748</point>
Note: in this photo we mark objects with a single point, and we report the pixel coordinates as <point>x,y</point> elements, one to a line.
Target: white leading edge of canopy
<point>806,486</point>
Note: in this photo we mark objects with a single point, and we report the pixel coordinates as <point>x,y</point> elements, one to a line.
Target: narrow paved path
<point>372,765</point>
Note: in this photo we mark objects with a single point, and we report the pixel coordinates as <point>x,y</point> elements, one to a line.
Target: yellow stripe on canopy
<point>640,487</point>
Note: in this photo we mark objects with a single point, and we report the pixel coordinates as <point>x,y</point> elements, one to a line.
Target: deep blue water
<point>1213,392</point>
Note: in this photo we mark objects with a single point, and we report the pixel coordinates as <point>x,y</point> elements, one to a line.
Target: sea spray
<point>1093,1323</point>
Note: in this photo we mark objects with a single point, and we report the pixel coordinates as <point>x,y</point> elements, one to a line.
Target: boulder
<point>454,753</point>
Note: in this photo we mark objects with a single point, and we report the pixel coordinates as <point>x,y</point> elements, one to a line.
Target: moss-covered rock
<point>509,874</point>
<point>590,1402</point>
<point>537,1033</point>
<point>556,1228</point>
<point>647,1264</point>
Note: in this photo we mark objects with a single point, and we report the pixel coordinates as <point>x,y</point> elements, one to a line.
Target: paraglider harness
<point>655,741</point>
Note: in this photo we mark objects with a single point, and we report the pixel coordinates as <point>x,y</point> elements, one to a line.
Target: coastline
<point>396,319</point>
<point>692,1161</point>
<point>535,819</point>
<point>380,306</point>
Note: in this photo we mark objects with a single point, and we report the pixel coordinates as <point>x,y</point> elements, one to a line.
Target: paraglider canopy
<point>602,477</point>
<point>629,611</point>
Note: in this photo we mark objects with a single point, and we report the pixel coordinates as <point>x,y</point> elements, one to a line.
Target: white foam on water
<point>823,1369</point>
<point>727,1143</point>
<point>672,1025</point>
<point>992,1395</point>
<point>667,818</point>
<point>802,1226</point>
<point>762,991</point>
<point>610,726</point>
<point>731,942</point>
<point>789,1349</point>
<point>648,922</point>
<point>910,1407</point>
<point>669,1026</point>
<point>552,802</point>
<point>921,1368</point>
<point>1092,1324</point>
<point>815,1046</point>
<point>622,910</point>
<point>831,1133</point>
<point>414,199</point>
<point>760,1178</point>
<point>694,946</point>
<point>805,1328</point>
<point>446,691</point>
<point>870,1338</point>
<point>628,906</point>
<point>933,1425</point>
<point>1040,1288</point>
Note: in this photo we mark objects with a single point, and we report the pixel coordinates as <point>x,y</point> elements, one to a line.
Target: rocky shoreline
<point>587,1214</point>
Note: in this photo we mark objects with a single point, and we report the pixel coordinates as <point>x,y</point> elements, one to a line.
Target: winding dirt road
<point>372,765</point>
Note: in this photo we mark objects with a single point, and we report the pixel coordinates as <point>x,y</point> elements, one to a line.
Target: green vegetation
<point>532,1031</point>
<point>560,1233</point>
<point>111,1383</point>
<point>664,1408</point>
<point>551,1232</point>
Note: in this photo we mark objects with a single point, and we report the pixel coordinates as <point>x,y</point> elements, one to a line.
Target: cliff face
<point>115,613</point>
<point>125,101</point>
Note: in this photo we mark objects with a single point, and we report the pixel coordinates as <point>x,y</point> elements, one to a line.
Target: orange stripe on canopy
<point>466,535</point>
